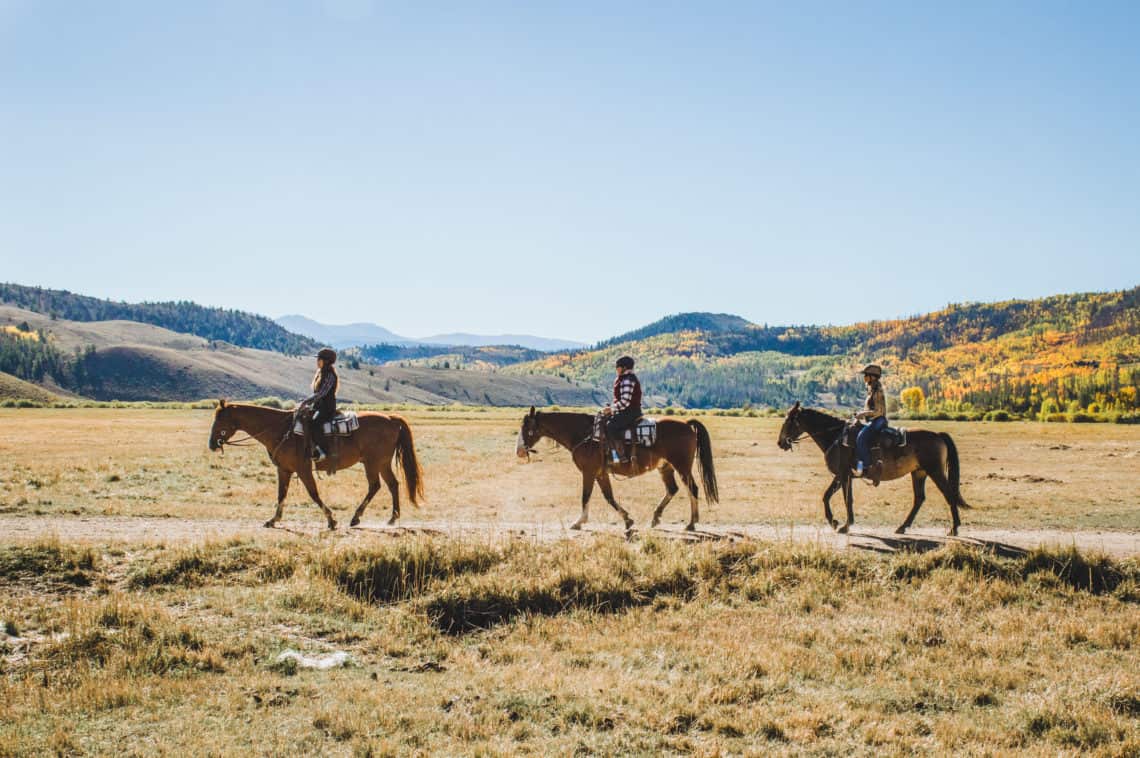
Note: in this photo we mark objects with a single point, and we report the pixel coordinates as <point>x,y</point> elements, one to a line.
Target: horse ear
<point>795,407</point>
<point>532,411</point>
<point>221,402</point>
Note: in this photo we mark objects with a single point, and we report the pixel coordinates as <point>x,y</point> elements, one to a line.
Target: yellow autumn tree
<point>913,399</point>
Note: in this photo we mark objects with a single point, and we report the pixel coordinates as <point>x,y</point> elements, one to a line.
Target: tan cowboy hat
<point>873,369</point>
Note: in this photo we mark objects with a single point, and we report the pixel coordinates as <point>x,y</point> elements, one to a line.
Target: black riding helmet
<point>625,362</point>
<point>328,355</point>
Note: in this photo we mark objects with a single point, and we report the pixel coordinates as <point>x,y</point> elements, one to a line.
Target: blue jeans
<point>866,436</point>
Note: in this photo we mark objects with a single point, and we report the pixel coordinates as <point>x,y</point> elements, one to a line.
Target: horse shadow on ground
<point>901,543</point>
<point>698,535</point>
<point>397,531</point>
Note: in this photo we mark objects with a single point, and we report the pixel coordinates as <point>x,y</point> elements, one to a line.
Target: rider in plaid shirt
<point>626,407</point>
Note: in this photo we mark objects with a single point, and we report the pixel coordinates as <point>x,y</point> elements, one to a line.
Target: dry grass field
<point>487,641</point>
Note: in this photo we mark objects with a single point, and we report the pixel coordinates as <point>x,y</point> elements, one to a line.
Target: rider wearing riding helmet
<point>323,399</point>
<point>626,407</point>
<point>874,413</point>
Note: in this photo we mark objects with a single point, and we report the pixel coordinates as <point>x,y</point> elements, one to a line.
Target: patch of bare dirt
<point>146,530</point>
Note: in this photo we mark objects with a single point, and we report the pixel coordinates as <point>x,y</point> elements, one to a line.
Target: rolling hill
<point>126,360</point>
<point>235,327</point>
<point>1064,352</point>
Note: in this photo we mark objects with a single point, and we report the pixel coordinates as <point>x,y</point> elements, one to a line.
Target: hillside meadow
<point>493,642</point>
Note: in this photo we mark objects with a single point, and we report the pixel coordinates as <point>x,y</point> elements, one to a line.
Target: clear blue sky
<point>570,171</point>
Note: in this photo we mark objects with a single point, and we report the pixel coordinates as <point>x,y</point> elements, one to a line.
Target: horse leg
<point>608,494</point>
<point>944,487</point>
<point>694,503</point>
<point>373,477</point>
<point>670,490</point>
<point>827,515</point>
<point>918,479</point>
<point>849,501</point>
<point>306,477</point>
<point>587,490</point>
<point>283,478</point>
<point>389,477</point>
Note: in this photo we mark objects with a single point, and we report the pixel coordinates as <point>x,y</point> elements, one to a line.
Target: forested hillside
<point>235,327</point>
<point>1056,354</point>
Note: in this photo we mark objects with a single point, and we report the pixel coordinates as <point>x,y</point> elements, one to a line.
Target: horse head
<point>791,430</point>
<point>224,425</point>
<point>528,435</point>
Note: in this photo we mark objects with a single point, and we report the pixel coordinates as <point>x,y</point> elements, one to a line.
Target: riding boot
<point>625,452</point>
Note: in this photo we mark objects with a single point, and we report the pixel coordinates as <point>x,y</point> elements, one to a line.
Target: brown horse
<point>925,454</point>
<point>379,439</point>
<point>678,443</point>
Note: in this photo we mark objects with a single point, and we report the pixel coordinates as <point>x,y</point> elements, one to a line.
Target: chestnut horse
<point>925,454</point>
<point>379,439</point>
<point>678,444</point>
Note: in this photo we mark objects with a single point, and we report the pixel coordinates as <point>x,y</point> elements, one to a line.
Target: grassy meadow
<point>127,462</point>
<point>495,643</point>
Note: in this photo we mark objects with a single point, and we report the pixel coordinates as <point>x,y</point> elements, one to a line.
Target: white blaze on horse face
<point>520,446</point>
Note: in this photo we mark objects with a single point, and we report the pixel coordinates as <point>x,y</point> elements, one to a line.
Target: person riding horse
<point>322,402</point>
<point>875,414</point>
<point>626,407</point>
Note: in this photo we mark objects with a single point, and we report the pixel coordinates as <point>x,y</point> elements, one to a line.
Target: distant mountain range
<point>361,334</point>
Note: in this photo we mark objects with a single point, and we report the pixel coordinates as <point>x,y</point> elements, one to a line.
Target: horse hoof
<point>332,526</point>
<point>953,532</point>
<point>843,529</point>
<point>355,521</point>
<point>901,530</point>
<point>629,524</point>
<point>392,521</point>
<point>576,526</point>
<point>655,522</point>
<point>691,527</point>
<point>834,524</point>
<point>270,524</point>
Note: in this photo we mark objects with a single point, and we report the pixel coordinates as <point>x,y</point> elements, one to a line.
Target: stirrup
<point>319,455</point>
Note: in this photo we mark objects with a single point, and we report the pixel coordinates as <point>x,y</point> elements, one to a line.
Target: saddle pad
<point>341,425</point>
<point>646,431</point>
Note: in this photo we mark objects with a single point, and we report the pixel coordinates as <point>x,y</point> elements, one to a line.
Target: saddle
<point>340,425</point>
<point>889,437</point>
<point>642,434</point>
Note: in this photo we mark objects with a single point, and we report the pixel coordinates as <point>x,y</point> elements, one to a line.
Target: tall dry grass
<point>592,646</point>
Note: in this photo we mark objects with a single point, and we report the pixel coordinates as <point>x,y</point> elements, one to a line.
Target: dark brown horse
<point>925,454</point>
<point>678,444</point>
<point>378,441</point>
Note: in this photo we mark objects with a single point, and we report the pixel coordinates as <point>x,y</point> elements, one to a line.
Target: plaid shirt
<point>327,385</point>
<point>627,392</point>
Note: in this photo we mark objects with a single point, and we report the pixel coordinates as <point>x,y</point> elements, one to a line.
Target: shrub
<point>998,416</point>
<point>1055,418</point>
<point>1082,418</point>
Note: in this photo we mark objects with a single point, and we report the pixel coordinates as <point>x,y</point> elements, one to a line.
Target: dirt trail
<point>121,529</point>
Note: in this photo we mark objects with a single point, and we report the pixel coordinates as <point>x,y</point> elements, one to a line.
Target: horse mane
<point>817,419</point>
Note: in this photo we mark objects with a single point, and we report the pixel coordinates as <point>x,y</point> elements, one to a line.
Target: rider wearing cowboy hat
<point>323,399</point>
<point>874,413</point>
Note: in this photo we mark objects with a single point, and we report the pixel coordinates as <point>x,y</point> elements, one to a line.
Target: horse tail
<point>704,451</point>
<point>953,473</point>
<point>406,459</point>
